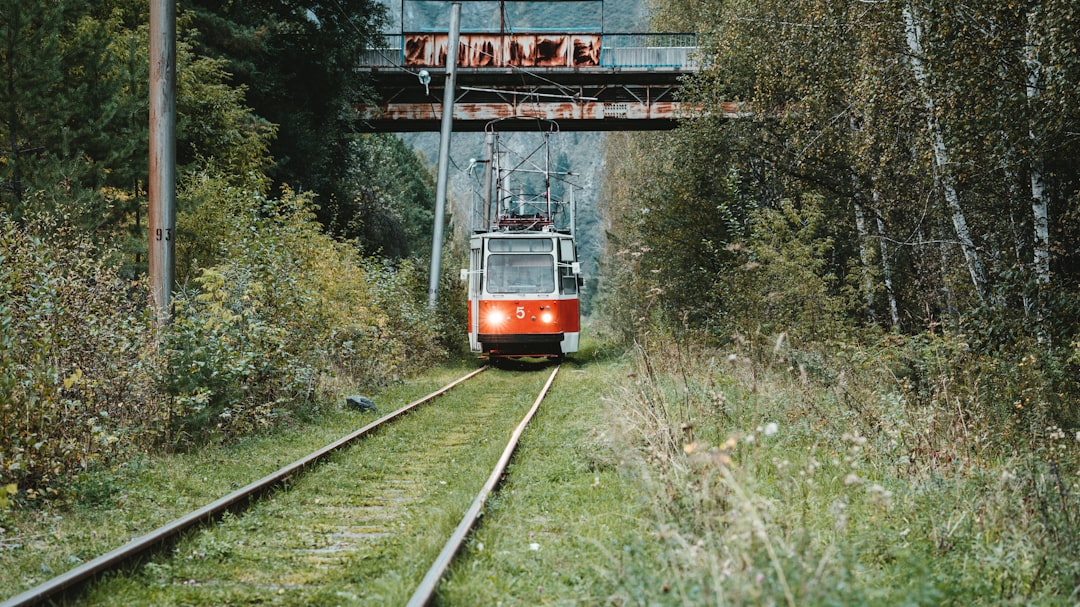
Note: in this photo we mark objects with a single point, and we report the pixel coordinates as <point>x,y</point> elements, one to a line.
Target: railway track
<point>358,509</point>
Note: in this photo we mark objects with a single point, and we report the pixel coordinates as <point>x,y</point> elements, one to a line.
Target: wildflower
<point>770,429</point>
<point>880,495</point>
<point>854,438</point>
<point>852,479</point>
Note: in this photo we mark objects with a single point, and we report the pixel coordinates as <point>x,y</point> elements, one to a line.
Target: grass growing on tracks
<point>153,489</point>
<point>361,529</point>
<point>777,477</point>
<point>567,525</point>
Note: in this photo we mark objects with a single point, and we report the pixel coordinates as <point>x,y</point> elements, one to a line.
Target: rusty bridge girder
<point>593,82</point>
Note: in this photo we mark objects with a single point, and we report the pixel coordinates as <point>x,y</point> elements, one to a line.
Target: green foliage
<point>73,380</point>
<point>393,195</point>
<point>786,283</point>
<point>273,302</point>
<point>295,60</point>
<point>272,306</point>
<point>214,123</point>
<point>268,305</point>
<point>834,109</point>
<point>76,119</point>
<point>672,223</point>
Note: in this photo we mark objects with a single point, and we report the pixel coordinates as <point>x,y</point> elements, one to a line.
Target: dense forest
<point>878,252</point>
<point>296,234</point>
<point>907,166</point>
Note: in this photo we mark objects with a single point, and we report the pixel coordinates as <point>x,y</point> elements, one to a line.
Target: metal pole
<point>162,170</point>
<point>444,155</point>
<point>547,176</point>
<point>489,143</point>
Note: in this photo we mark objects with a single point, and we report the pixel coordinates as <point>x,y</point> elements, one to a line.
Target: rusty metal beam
<point>584,81</point>
<point>571,116</point>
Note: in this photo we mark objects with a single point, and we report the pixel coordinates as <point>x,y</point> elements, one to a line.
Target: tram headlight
<point>546,317</point>
<point>495,317</point>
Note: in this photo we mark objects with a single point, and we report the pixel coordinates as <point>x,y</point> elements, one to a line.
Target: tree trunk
<point>1039,199</point>
<point>886,260</point>
<point>865,258</point>
<point>1040,202</point>
<point>941,153</point>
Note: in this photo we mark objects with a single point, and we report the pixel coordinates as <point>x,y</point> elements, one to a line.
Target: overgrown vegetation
<point>941,169</point>
<point>75,361</point>
<point>272,305</point>
<point>279,310</point>
<point>894,167</point>
<point>854,306</point>
<point>893,473</point>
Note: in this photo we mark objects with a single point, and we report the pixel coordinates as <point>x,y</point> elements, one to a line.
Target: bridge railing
<point>388,51</point>
<point>649,51</point>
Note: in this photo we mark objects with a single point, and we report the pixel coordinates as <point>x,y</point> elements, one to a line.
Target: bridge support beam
<point>571,116</point>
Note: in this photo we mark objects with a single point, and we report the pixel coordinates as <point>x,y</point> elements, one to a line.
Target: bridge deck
<point>526,50</point>
<point>585,81</point>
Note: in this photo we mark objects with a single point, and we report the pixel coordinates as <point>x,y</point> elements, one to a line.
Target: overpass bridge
<point>584,80</point>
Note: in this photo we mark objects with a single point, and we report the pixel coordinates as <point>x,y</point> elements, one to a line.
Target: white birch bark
<point>886,260</point>
<point>1039,198</point>
<point>941,153</point>
<point>864,255</point>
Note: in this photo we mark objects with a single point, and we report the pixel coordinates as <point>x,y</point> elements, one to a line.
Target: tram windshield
<point>521,273</point>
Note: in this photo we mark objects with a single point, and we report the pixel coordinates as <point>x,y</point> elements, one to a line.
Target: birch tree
<point>944,176</point>
<point>1039,197</point>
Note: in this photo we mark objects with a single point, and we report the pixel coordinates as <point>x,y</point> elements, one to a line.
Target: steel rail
<point>426,590</point>
<point>111,560</point>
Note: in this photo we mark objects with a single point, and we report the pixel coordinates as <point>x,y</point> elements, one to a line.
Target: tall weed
<point>838,474</point>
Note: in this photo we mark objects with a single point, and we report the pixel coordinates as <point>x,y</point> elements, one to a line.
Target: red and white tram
<point>524,278</point>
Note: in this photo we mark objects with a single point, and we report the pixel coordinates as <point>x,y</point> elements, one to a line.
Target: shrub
<point>267,310</point>
<point>785,284</point>
<point>278,306</point>
<point>72,362</point>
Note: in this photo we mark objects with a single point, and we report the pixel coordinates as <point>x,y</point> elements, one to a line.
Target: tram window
<point>520,245</point>
<point>521,274</point>
<point>567,280</point>
<point>566,250</point>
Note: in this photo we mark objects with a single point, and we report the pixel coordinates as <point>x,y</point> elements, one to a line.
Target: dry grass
<point>821,477</point>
